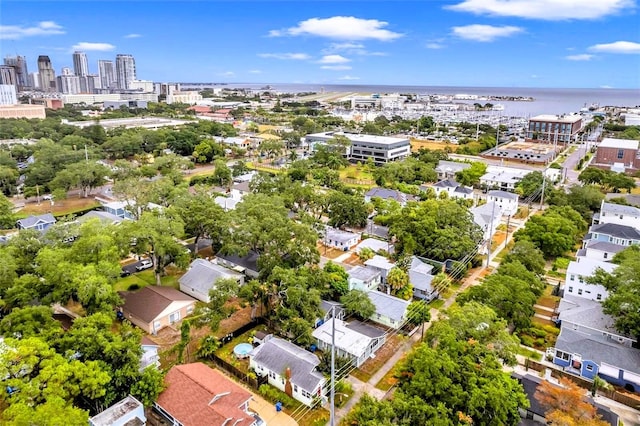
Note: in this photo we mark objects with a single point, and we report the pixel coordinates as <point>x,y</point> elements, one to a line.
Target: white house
<point>239,190</point>
<point>507,201</point>
<point>600,250</point>
<point>487,217</point>
<point>342,240</point>
<point>382,264</point>
<point>421,276</point>
<point>390,310</point>
<point>364,278</point>
<point>355,341</point>
<point>501,177</point>
<point>226,203</point>
<point>150,357</point>
<point>448,169</point>
<point>202,276</point>
<point>618,214</point>
<point>289,368</point>
<point>375,245</point>
<point>577,273</point>
<point>128,411</point>
<point>453,189</point>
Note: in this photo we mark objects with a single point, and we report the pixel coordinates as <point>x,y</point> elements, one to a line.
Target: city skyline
<point>517,43</point>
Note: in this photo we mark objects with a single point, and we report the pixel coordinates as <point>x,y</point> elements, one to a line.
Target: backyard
<point>58,208</point>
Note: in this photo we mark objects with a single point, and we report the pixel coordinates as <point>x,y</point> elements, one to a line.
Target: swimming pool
<point>242,350</point>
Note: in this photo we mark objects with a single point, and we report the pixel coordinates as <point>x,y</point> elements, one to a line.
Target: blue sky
<point>500,43</point>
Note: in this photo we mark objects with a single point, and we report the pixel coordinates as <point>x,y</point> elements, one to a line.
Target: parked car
<point>124,273</point>
<point>145,264</point>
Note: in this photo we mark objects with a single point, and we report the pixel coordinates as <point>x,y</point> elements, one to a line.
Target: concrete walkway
<point>267,412</point>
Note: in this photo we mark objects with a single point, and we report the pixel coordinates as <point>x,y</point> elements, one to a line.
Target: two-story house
<point>507,201</point>
<point>354,340</point>
<point>421,277</point>
<point>577,273</point>
<point>39,223</point>
<point>614,233</point>
<point>364,278</point>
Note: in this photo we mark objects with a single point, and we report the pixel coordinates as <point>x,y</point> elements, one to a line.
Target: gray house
<point>355,340</point>
<point>202,276</point>
<point>364,278</point>
<point>390,310</point>
<point>39,223</point>
<point>247,264</point>
<point>421,276</point>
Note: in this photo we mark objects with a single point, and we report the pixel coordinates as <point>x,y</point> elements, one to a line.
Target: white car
<point>145,264</point>
<point>47,197</point>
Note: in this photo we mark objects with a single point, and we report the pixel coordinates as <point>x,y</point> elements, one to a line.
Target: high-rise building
<point>80,64</point>
<point>19,64</point>
<point>8,75</point>
<point>89,83</point>
<point>69,84</point>
<point>107,74</point>
<point>125,70</point>
<point>8,94</point>
<point>46,74</point>
<point>34,80</point>
<point>67,71</point>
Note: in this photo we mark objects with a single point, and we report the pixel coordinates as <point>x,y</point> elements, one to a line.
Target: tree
<point>84,175</point>
<point>333,277</point>
<point>418,313</point>
<point>528,255</point>
<point>271,148</point>
<point>202,217</point>
<point>592,175</point>
<point>471,176</point>
<point>357,302</point>
<point>530,186</point>
<point>346,210</point>
<point>397,278</point>
<point>216,310</point>
<point>566,404</point>
<point>7,219</point>
<point>618,181</point>
<point>30,321</point>
<point>365,254</point>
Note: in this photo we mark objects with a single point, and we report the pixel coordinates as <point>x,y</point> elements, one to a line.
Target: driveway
<point>267,411</point>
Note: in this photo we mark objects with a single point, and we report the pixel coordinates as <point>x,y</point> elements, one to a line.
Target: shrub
<point>537,332</point>
<point>275,395</point>
<point>540,343</point>
<point>561,263</point>
<point>527,341</point>
<point>133,287</point>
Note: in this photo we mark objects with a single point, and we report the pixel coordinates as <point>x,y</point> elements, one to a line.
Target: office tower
<point>46,74</point>
<point>8,75</point>
<point>34,80</point>
<point>80,64</point>
<point>19,64</point>
<point>106,73</point>
<point>125,70</point>
<point>8,94</point>
<point>69,84</point>
<point>89,83</point>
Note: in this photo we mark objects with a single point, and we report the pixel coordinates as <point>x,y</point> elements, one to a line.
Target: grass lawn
<point>145,278</point>
<point>226,352</point>
<point>436,303</point>
<point>59,208</point>
<point>358,172</point>
<point>372,365</point>
<point>529,353</point>
<point>389,380</point>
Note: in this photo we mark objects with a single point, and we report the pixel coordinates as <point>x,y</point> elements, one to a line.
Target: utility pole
<point>86,154</point>
<point>493,210</point>
<point>333,367</point>
<point>544,182</point>
<point>506,238</point>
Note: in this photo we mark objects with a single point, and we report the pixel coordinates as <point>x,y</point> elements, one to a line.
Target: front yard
<point>372,365</point>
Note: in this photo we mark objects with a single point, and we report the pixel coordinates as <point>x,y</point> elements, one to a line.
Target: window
<point>570,289</point>
<point>579,291</point>
<point>620,154</point>
<point>573,277</point>
<point>272,374</point>
<point>295,388</point>
<point>174,317</point>
<point>589,367</point>
<point>599,297</point>
<point>563,355</point>
<point>189,309</point>
<point>606,255</point>
<point>580,278</point>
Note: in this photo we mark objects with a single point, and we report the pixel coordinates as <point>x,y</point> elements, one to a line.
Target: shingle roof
<point>346,338</point>
<point>250,261</point>
<point>619,209</point>
<point>463,190</point>
<point>363,273</point>
<point>31,221</point>
<point>615,230</point>
<point>388,306</point>
<point>380,262</point>
<point>385,194</point>
<point>420,274</point>
<point>198,395</point>
<point>599,349</point>
<point>446,184</point>
<point>277,355</point>
<point>374,245</point>
<point>338,235</point>
<point>585,312</point>
<point>149,302</point>
<point>102,215</point>
<point>605,246</point>
<point>203,274</point>
<point>503,194</point>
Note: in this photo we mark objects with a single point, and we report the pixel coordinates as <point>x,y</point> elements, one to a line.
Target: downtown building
<point>125,71</point>
<point>19,65</point>
<point>107,74</point>
<point>46,74</point>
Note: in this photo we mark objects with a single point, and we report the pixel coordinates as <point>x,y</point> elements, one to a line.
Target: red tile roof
<point>199,108</point>
<point>191,388</point>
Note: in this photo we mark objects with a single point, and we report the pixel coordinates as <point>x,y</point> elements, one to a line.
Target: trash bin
<point>278,406</point>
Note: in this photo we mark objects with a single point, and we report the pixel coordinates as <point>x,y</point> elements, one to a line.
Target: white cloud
<point>548,10</point>
<point>44,28</point>
<point>579,57</point>
<point>341,28</point>
<point>346,46</point>
<point>624,47</point>
<point>434,45</point>
<point>606,86</point>
<point>85,45</point>
<point>133,35</point>
<point>227,74</point>
<point>336,67</point>
<point>348,77</point>
<point>255,71</point>
<point>293,56</point>
<point>333,59</point>
<point>484,33</point>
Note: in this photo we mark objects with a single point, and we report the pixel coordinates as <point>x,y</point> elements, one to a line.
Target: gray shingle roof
<point>103,216</point>
<point>446,184</point>
<point>599,349</point>
<point>203,274</point>
<point>585,312</point>
<point>338,235</point>
<point>250,261</point>
<point>420,274</point>
<point>388,306</point>
<point>503,194</point>
<point>463,190</point>
<point>31,221</point>
<point>366,329</point>
<point>605,246</point>
<point>277,355</point>
<point>386,194</point>
<point>615,230</point>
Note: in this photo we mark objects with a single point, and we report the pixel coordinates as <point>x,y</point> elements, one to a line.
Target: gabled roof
<point>363,273</point>
<point>346,338</point>
<point>202,275</point>
<point>375,245</point>
<point>619,209</point>
<point>463,190</point>
<point>102,215</point>
<point>615,230</point>
<point>482,214</point>
<point>448,183</point>
<point>599,349</point>
<point>198,395</point>
<point>388,306</point>
<point>249,261</point>
<point>386,194</point>
<point>585,312</point>
<point>277,355</point>
<point>604,246</point>
<point>31,221</point>
<point>226,203</point>
<point>587,267</point>
<point>339,236</point>
<point>150,301</point>
<point>503,194</point>
<point>380,262</point>
<point>420,274</point>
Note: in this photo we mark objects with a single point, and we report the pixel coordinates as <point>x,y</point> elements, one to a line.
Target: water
<point>546,101</point>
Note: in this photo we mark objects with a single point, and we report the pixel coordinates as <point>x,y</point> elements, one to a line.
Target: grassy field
<point>355,171</point>
<point>416,144</point>
<point>58,208</point>
<point>145,278</point>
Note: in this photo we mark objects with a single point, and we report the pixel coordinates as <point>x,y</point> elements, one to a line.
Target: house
<point>238,142</point>
<point>103,216</point>
<point>247,264</point>
<point>39,223</point>
<point>618,154</point>
<point>614,233</point>
<point>331,309</point>
<point>591,354</point>
<point>341,240</point>
<point>577,273</point>
<point>618,214</point>
<point>202,276</point>
<point>382,264</point>
<point>127,412</point>
<point>120,209</point>
<point>453,189</point>
<point>379,231</point>
<point>535,413</point>
<point>375,245</point>
<point>502,177</point>
<point>364,278</point>
<point>289,368</point>
<point>421,277</point>
<point>487,217</point>
<point>507,201</point>
<point>239,190</point>
<point>600,250</point>
<point>448,169</point>
<point>587,316</point>
<point>197,395</point>
<point>155,307</point>
<point>390,311</point>
<point>388,194</point>
<point>150,355</point>
<point>355,341</point>
<point>227,203</point>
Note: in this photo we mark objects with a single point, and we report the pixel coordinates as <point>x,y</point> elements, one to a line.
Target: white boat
<point>498,107</point>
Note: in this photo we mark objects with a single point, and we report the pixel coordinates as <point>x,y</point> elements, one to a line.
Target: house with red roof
<point>197,395</point>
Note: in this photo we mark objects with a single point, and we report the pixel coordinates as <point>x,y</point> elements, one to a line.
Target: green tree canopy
<point>357,302</point>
